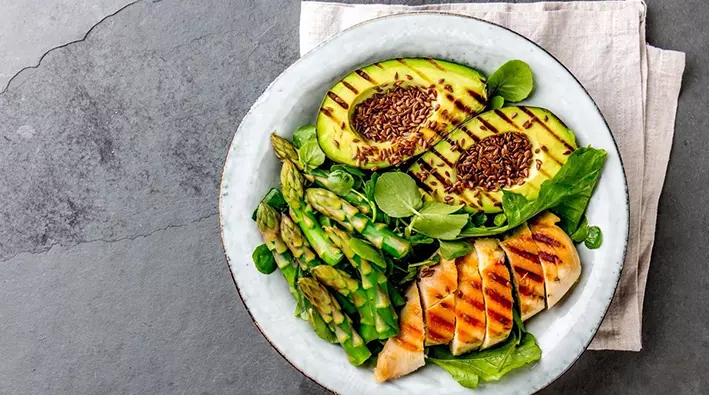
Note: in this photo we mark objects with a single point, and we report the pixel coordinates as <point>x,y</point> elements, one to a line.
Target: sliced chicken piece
<point>469,306</point>
<point>497,291</point>
<point>558,256</point>
<point>527,272</point>
<point>403,353</point>
<point>437,285</point>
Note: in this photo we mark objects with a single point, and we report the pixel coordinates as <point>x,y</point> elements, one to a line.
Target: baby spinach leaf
<point>499,219</point>
<point>513,81</point>
<point>304,134</point>
<point>310,155</point>
<point>436,220</point>
<point>368,252</point>
<point>340,182</point>
<point>574,182</point>
<point>488,365</point>
<point>497,102</point>
<point>594,238</point>
<point>455,249</point>
<point>263,259</point>
<point>397,195</point>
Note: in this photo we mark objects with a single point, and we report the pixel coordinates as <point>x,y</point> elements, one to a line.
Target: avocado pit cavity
<point>394,113</point>
<point>496,162</point>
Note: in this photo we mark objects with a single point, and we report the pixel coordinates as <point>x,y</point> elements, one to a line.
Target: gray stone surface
<point>113,277</point>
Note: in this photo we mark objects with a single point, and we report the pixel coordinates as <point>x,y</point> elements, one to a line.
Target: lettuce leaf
<point>488,365</point>
<point>567,194</point>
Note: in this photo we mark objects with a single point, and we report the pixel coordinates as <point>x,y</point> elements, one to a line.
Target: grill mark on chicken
<point>498,298</point>
<point>530,256</point>
<point>546,239</point>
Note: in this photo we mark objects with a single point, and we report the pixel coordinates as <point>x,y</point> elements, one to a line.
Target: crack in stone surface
<point>49,247</point>
<point>88,32</point>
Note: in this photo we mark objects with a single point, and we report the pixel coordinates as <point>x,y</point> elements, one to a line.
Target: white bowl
<point>292,100</point>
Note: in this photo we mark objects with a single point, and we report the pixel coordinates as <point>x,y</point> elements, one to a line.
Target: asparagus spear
<point>336,279</point>
<point>338,322</point>
<point>350,288</point>
<point>284,149</point>
<point>267,219</point>
<point>374,282</point>
<point>330,205</point>
<point>297,244</point>
<point>292,183</point>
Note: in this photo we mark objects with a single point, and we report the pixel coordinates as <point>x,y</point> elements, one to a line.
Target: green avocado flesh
<point>552,142</point>
<point>460,95</point>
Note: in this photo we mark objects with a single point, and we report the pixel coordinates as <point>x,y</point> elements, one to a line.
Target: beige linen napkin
<point>635,85</point>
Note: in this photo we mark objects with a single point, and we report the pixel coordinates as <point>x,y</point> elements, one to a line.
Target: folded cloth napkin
<point>635,85</point>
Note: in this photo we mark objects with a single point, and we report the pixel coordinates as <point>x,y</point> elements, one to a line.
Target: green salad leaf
<point>513,81</point>
<point>455,249</point>
<point>397,195</point>
<point>497,102</point>
<point>499,219</point>
<point>438,221</point>
<point>488,365</point>
<point>340,182</point>
<point>310,155</point>
<point>368,252</point>
<point>263,259</point>
<point>574,182</point>
<point>580,234</point>
<point>304,134</point>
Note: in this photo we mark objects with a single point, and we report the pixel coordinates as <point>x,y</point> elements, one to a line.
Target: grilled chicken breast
<point>469,306</point>
<point>558,256</point>
<point>497,291</point>
<point>403,353</point>
<point>437,285</point>
<point>527,272</point>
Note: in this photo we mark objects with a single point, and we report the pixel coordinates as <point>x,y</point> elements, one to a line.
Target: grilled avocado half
<point>459,95</point>
<point>551,144</point>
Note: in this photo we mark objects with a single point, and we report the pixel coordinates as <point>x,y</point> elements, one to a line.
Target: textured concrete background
<point>113,277</point>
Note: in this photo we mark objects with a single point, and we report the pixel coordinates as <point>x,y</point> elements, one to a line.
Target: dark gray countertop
<point>113,275</point>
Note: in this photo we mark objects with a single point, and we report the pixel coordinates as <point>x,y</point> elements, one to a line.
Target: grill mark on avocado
<point>460,126</point>
<point>350,87</point>
<point>478,98</point>
<point>434,173</point>
<point>544,125</point>
<point>440,156</point>
<point>365,76</point>
<point>419,73</point>
<point>338,100</point>
<point>435,64</point>
<point>488,125</point>
<point>505,118</point>
<point>327,111</point>
<point>425,166</point>
<point>546,151</point>
<point>379,65</point>
<point>460,105</point>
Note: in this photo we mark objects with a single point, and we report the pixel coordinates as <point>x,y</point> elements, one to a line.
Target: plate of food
<point>426,203</point>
